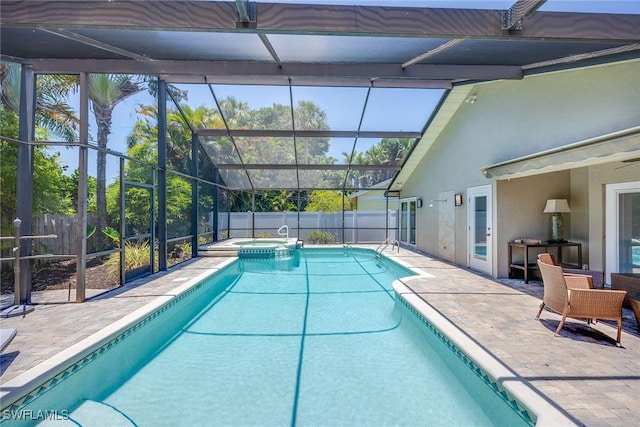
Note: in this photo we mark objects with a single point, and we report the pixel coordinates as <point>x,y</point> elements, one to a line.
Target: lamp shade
<point>557,206</point>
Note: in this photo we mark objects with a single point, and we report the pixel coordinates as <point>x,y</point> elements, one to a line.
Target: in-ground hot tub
<point>266,248</point>
<point>261,243</point>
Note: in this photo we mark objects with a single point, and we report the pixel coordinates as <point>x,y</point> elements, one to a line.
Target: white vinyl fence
<point>359,227</point>
<point>353,227</point>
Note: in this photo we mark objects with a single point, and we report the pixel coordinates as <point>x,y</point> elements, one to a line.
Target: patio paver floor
<point>582,371</point>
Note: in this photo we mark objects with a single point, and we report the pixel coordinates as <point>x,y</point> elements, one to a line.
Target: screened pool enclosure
<point>235,161</point>
<point>135,131</point>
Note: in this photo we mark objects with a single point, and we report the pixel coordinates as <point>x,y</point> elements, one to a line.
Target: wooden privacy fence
<point>65,227</point>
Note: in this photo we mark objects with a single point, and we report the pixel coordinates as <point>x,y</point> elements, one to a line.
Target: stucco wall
<point>375,200</point>
<point>578,230</point>
<point>551,110</point>
<point>438,174</point>
<point>515,118</point>
<point>520,203</point>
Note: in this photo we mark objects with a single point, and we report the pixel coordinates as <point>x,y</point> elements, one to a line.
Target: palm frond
<point>10,85</point>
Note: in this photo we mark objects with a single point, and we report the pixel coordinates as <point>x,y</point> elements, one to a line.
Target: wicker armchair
<point>573,296</point>
<point>597,277</point>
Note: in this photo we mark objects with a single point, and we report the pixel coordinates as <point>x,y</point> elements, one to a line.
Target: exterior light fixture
<point>557,207</point>
<point>458,199</point>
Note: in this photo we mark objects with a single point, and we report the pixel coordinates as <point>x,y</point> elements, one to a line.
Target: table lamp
<point>557,207</point>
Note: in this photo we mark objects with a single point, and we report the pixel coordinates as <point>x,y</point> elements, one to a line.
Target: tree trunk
<point>103,119</point>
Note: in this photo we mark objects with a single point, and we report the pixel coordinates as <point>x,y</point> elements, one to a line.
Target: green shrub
<point>321,237</point>
<point>136,255</point>
<point>180,252</point>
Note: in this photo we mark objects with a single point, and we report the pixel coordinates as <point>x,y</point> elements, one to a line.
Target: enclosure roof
<point>402,57</point>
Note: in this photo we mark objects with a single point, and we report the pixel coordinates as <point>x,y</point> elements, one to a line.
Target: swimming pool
<point>314,339</point>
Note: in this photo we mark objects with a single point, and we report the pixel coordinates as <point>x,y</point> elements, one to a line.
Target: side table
<point>527,262</point>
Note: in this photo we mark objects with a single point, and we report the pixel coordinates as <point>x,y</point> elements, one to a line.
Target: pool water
<point>316,339</point>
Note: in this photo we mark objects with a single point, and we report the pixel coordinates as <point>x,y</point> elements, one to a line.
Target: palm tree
<point>308,116</point>
<point>236,113</point>
<point>179,136</point>
<point>105,92</point>
<point>52,110</point>
<point>52,114</point>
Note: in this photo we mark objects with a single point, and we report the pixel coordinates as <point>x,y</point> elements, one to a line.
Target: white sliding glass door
<point>408,221</point>
<point>622,218</point>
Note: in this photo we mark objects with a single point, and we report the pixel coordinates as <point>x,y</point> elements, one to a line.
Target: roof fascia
<point>606,57</point>
<point>442,113</point>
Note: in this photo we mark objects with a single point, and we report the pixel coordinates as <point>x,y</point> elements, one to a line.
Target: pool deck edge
<point>580,372</point>
<point>20,386</point>
<point>546,413</point>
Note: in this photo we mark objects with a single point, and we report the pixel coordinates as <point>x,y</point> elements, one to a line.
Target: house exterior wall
<point>374,200</point>
<point>511,119</point>
<point>580,213</point>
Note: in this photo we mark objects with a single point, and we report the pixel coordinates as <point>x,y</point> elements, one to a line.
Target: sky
<point>591,6</point>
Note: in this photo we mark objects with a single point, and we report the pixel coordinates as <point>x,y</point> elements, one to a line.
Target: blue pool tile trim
<point>281,251</point>
<point>252,253</point>
<point>49,384</point>
<point>527,416</point>
<point>337,250</point>
<point>347,250</point>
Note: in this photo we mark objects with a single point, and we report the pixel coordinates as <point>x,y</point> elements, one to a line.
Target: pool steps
<point>382,246</point>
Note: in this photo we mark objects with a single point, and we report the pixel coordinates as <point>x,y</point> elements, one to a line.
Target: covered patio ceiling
<point>377,72</point>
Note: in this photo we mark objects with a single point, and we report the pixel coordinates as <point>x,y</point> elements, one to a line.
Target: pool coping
<point>21,388</point>
<point>18,390</point>
<point>519,388</point>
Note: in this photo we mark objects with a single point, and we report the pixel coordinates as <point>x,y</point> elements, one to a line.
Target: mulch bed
<point>59,275</point>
